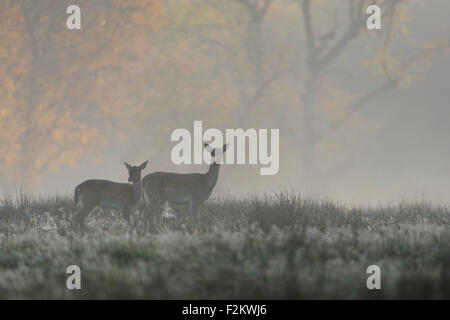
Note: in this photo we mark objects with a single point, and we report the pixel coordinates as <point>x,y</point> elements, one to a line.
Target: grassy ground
<point>280,246</point>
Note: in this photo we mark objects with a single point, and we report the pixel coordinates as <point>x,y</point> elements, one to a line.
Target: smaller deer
<point>111,195</point>
<point>191,189</point>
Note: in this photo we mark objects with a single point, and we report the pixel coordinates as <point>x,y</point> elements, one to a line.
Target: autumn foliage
<point>59,87</point>
<point>139,69</point>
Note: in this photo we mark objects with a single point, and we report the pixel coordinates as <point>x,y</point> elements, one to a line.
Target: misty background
<point>363,115</point>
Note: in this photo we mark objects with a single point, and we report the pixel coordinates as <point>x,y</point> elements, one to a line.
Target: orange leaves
<point>9,84</point>
<point>58,135</point>
<point>59,87</point>
<point>11,128</point>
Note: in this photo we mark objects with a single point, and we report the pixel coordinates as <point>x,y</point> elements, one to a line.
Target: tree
<point>324,49</point>
<point>60,86</point>
<point>135,72</point>
<point>247,63</point>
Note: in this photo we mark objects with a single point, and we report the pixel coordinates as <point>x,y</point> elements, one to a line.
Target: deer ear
<point>225,147</point>
<point>127,166</point>
<point>142,166</point>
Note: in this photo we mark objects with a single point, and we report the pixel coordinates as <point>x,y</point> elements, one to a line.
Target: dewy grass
<point>277,246</point>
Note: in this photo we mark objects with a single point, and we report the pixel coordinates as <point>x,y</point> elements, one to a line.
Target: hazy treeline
<point>76,103</point>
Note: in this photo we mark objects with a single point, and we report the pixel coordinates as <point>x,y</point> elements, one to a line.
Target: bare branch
<point>310,40</point>
<point>353,29</point>
<point>363,101</point>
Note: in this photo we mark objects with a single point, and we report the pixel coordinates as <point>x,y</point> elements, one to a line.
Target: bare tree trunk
<point>320,55</point>
<point>308,134</point>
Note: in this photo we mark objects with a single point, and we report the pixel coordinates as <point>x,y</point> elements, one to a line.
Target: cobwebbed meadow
<point>274,246</point>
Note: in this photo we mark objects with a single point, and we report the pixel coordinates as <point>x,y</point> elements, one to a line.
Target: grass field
<point>278,246</point>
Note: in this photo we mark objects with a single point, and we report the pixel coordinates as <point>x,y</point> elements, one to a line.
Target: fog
<point>232,64</point>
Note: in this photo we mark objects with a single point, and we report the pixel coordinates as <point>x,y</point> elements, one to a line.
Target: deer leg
<point>82,215</point>
<point>193,210</point>
<point>153,207</point>
<point>156,206</point>
<point>142,207</point>
<point>126,215</point>
<point>146,208</point>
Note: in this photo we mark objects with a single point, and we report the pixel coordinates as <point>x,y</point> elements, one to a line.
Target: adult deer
<point>111,195</point>
<point>191,189</point>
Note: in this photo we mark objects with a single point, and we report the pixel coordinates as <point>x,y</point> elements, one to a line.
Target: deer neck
<point>137,190</point>
<point>211,176</point>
